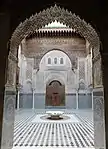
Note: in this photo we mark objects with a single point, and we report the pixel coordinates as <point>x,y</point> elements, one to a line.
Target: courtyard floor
<point>33,131</point>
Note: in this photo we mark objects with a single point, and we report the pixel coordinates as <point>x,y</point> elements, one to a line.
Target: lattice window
<point>81,70</point>
<point>28,73</point>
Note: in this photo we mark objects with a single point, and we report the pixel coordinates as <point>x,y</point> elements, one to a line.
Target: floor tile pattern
<point>48,134</point>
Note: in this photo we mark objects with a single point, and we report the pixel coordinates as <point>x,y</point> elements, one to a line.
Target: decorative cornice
<point>44,17</point>
<point>53,33</point>
<point>57,40</point>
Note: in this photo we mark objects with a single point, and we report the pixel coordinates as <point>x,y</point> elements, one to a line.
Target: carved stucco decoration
<point>10,72</point>
<point>97,75</point>
<point>40,55</point>
<point>44,17</point>
<point>9,108</point>
<point>99,108</point>
<point>49,15</point>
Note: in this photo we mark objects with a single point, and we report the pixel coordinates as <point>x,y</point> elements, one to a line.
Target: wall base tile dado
<point>39,101</point>
<point>8,120</point>
<point>70,101</point>
<point>99,123</point>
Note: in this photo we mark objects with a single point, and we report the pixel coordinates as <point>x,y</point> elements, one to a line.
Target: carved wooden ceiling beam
<point>53,33</point>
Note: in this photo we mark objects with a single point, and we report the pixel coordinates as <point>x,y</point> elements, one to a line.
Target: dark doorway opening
<point>55,95</point>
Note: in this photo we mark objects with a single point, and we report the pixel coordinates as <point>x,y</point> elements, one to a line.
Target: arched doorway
<point>55,94</point>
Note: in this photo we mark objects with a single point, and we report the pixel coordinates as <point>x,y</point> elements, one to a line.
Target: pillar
<point>92,100</point>
<point>7,93</point>
<point>9,104</point>
<point>18,106</point>
<point>33,100</point>
<point>76,99</point>
<point>105,83</point>
<point>98,104</point>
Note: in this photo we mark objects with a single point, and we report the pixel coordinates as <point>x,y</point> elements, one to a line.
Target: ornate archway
<point>51,14</point>
<point>86,30</point>
<point>39,20</point>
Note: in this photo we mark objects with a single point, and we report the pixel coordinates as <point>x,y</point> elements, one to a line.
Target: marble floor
<point>31,131</point>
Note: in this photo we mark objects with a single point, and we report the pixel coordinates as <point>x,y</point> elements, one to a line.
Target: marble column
<point>9,104</point>
<point>92,100</point>
<point>7,92</point>
<point>18,106</point>
<point>33,100</point>
<point>76,99</point>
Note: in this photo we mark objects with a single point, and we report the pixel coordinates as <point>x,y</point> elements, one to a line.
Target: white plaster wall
<point>39,86</point>
<point>55,54</point>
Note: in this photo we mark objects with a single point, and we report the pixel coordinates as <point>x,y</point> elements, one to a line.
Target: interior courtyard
<point>54,64</point>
